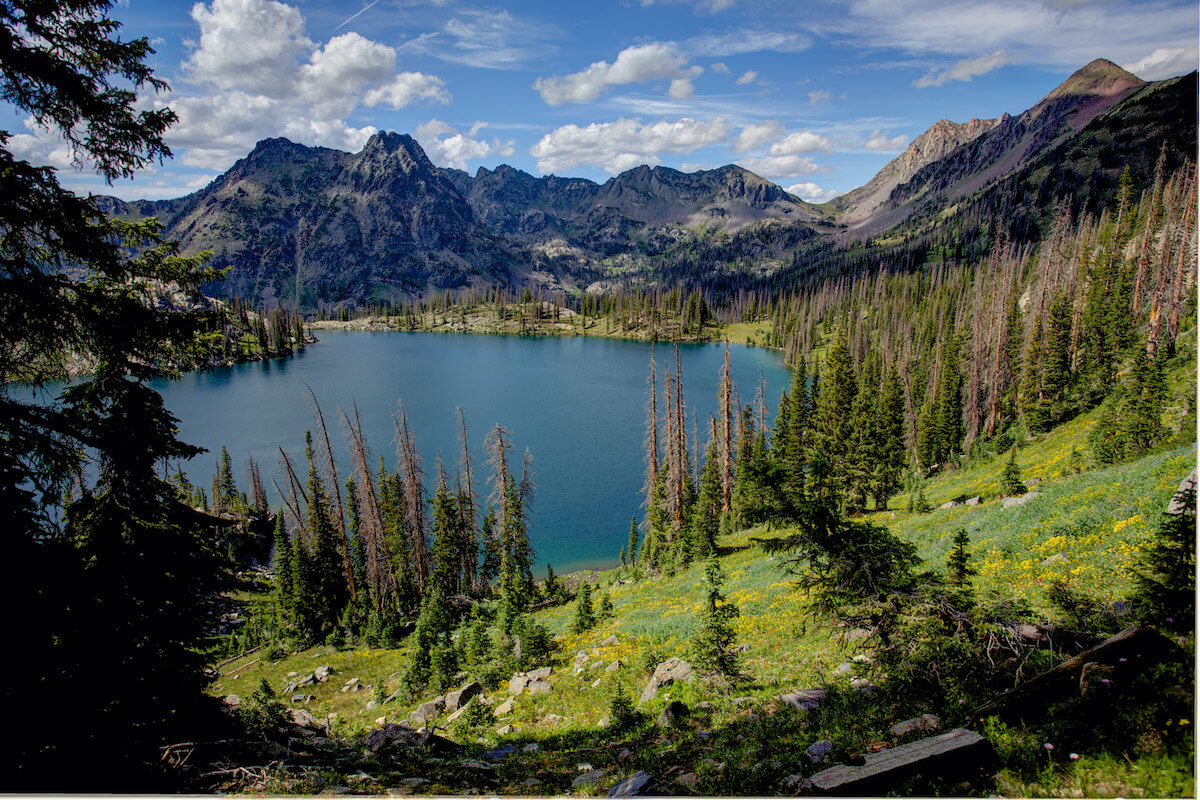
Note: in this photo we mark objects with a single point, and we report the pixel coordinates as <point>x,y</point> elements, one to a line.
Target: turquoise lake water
<point>578,405</point>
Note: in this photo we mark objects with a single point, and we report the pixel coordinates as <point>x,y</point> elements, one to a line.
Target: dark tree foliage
<point>115,585</point>
<point>713,644</point>
<point>1165,582</point>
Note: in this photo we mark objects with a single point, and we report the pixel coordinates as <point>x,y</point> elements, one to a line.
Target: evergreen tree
<point>585,616</point>
<point>706,514</point>
<point>1010,479</point>
<point>958,565</point>
<point>713,644</point>
<point>832,432</point>
<point>433,661</point>
<point>226,496</point>
<point>889,441</point>
<point>1165,582</point>
<point>632,547</point>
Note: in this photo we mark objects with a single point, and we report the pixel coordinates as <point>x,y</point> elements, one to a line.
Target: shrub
<point>622,711</point>
<point>262,711</point>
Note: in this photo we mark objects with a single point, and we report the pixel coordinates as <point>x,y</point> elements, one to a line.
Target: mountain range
<point>330,228</point>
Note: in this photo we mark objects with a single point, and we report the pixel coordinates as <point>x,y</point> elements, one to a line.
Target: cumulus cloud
<point>636,64</point>
<point>447,147</point>
<point>879,141</point>
<point>964,70</point>
<point>811,192</point>
<point>719,66</point>
<point>624,144</point>
<point>747,77</point>
<point>1165,62</point>
<point>801,142</point>
<point>780,166</point>
<point>819,96</point>
<point>757,134</point>
<point>263,76</point>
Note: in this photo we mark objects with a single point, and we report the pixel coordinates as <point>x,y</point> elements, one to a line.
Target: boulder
<point>639,784</point>
<point>322,673</point>
<point>500,753</point>
<point>608,642</point>
<point>613,666</point>
<point>303,698</point>
<point>805,699</point>
<point>504,708</point>
<point>539,687</point>
<point>1184,499</point>
<point>457,699</point>
<point>673,714</point>
<point>948,505</point>
<point>349,685</point>
<point>974,501</point>
<point>428,711</point>
<point>541,674</point>
<point>817,751</point>
<point>863,685</point>
<point>926,723</point>
<point>587,778</point>
<point>666,673</point>
<point>517,683</point>
<point>505,730</point>
<point>392,734</point>
<point>303,719</point>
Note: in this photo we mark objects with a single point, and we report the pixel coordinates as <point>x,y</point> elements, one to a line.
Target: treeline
<point>898,374</point>
<point>373,556</point>
<point>241,333</point>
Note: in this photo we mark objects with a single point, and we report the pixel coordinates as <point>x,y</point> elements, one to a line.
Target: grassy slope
<point>1097,519</point>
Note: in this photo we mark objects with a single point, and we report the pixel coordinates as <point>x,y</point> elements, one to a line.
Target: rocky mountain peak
<point>1100,78</point>
<point>396,147</point>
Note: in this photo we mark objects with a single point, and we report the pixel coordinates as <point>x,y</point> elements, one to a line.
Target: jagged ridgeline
<point>318,229</point>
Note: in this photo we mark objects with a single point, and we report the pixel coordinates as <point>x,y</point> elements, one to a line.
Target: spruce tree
<point>1010,479</point>
<point>585,616</point>
<point>713,644</point>
<point>958,565</point>
<point>833,420</point>
<point>631,548</point>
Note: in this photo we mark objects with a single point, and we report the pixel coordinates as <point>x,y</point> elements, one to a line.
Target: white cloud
<point>755,135</point>
<point>964,70</point>
<point>879,141</point>
<point>265,77</point>
<point>801,142</point>
<point>1165,62</point>
<point>819,96</point>
<point>486,39</point>
<point>446,147</point>
<point>747,40</point>
<point>624,144</point>
<point>636,64</point>
<point>681,89</point>
<point>1064,34</point>
<point>747,77</point>
<point>780,166</point>
<point>719,67</point>
<point>811,192</point>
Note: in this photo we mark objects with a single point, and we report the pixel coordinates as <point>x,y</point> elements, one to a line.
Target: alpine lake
<point>577,404</point>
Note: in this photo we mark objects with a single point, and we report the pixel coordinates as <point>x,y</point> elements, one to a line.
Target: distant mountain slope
<point>1011,144</point>
<point>329,228</point>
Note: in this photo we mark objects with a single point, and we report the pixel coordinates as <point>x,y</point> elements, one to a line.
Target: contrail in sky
<point>367,8</point>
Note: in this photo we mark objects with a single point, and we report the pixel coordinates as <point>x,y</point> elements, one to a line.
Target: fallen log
<point>959,753</point>
<point>1132,647</point>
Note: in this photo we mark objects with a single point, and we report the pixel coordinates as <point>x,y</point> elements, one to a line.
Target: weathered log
<point>957,753</point>
<point>1132,647</point>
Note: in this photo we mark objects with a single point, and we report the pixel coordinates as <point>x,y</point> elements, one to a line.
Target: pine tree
<point>713,644</point>
<point>833,420</point>
<point>889,449</point>
<point>1010,479</point>
<point>585,616</point>
<point>958,565</point>
<point>631,548</point>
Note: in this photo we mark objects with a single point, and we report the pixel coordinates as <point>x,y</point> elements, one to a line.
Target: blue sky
<point>816,96</point>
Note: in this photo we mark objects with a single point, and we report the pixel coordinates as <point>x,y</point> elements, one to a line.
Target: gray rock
<point>303,698</point>
<point>666,673</point>
<point>504,708</point>
<point>923,724</point>
<point>450,719</point>
<point>517,683</point>
<point>532,747</point>
<point>505,730</point>
<point>350,684</point>
<point>673,714</point>
<point>539,687</point>
<point>1057,558</point>
<point>817,751</point>
<point>322,673</point>
<point>845,668</point>
<point>371,705</point>
<point>863,685</point>
<point>588,778</point>
<point>541,674</point>
<point>596,683</point>
<point>608,641</point>
<point>974,501</point>
<point>639,784</point>
<point>1179,501</point>
<point>392,734</point>
<point>303,719</point>
<point>458,699</point>
<point>428,711</point>
<point>500,753</point>
<point>805,699</point>
<point>948,505</point>
<point>613,666</point>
